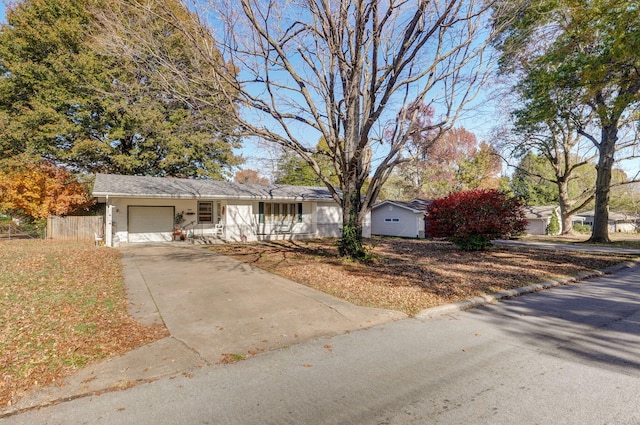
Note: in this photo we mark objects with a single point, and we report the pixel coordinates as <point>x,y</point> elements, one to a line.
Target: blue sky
<point>256,155</point>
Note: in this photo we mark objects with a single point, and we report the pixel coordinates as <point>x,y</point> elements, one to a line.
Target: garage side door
<point>150,224</point>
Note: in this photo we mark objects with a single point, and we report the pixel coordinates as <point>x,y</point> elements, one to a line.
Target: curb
<point>512,293</point>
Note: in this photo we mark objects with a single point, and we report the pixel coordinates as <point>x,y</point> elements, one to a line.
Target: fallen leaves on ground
<point>62,306</point>
<point>411,275</point>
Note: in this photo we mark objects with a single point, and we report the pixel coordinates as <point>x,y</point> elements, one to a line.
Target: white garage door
<point>150,224</point>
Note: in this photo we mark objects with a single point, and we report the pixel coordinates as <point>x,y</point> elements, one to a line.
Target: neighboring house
<point>397,218</point>
<point>538,219</point>
<point>618,222</point>
<point>144,209</point>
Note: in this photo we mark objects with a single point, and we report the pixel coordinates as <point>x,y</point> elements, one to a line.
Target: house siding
<point>329,219</point>
<point>240,219</point>
<point>537,227</point>
<point>240,223</point>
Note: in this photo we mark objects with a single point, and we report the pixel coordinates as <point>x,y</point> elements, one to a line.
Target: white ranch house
<point>144,209</point>
<point>618,222</point>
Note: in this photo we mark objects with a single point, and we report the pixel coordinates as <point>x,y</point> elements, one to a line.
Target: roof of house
<point>169,187</point>
<point>415,205</point>
<point>539,212</point>
<point>615,216</point>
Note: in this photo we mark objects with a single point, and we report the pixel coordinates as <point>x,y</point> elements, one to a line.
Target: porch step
<point>207,240</point>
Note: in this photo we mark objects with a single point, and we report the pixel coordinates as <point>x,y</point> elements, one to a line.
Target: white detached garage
<point>398,218</point>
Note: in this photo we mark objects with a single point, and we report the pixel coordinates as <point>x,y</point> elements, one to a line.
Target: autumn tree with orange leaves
<point>249,176</point>
<point>40,190</point>
<point>451,162</point>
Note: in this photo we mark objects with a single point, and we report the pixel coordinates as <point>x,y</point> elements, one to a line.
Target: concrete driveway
<point>214,308</point>
<point>216,305</point>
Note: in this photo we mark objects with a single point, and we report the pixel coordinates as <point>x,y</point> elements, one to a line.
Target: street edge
<point>516,292</point>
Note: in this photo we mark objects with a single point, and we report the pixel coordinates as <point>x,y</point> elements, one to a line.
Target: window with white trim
<point>205,212</point>
<point>279,212</point>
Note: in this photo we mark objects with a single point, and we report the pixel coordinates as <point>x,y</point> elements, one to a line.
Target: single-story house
<point>538,219</point>
<point>398,218</point>
<point>148,209</point>
<point>618,222</point>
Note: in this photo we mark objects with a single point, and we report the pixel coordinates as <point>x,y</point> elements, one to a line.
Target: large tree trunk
<point>565,208</point>
<point>600,230</point>
<point>350,244</point>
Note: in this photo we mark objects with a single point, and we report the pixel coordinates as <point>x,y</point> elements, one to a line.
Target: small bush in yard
<point>554,224</point>
<point>471,219</point>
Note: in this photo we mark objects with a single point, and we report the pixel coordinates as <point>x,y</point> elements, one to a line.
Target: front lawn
<point>62,305</point>
<point>410,275</point>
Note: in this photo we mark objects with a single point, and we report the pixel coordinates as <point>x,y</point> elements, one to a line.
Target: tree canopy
<point>344,71</point>
<point>249,176</point>
<point>65,98</point>
<point>453,161</point>
<point>587,51</point>
<point>533,181</point>
<point>291,169</point>
<point>39,190</point>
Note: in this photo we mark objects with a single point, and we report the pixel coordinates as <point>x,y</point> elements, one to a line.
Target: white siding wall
<point>537,227</point>
<point>240,221</point>
<point>390,220</point>
<point>625,227</point>
<point>298,230</point>
<point>366,226</point>
<point>328,219</point>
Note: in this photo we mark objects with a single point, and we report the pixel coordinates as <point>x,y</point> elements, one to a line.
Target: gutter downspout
<point>108,225</point>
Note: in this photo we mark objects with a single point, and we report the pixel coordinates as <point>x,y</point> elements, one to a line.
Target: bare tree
<point>345,71</point>
<point>549,129</point>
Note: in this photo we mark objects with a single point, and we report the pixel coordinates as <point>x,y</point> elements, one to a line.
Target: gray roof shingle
<point>539,212</point>
<point>169,187</point>
<point>415,205</point>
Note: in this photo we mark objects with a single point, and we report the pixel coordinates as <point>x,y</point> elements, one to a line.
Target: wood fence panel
<point>79,228</point>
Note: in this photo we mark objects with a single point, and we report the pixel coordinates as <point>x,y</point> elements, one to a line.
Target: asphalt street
<point>568,355</point>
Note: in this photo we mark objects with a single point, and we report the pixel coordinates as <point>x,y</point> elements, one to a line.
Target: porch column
<point>108,226</point>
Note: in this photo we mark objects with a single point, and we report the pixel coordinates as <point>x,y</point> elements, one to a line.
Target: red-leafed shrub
<point>471,219</point>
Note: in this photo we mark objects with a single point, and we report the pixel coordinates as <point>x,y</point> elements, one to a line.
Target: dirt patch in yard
<point>411,275</point>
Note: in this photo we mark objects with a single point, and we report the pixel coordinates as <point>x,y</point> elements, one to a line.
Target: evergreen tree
<point>554,224</point>
<point>64,98</point>
<point>533,181</point>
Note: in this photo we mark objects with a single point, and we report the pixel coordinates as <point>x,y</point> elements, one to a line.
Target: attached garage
<point>150,223</point>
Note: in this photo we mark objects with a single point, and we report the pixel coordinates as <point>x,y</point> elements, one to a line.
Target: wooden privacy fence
<point>80,228</point>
